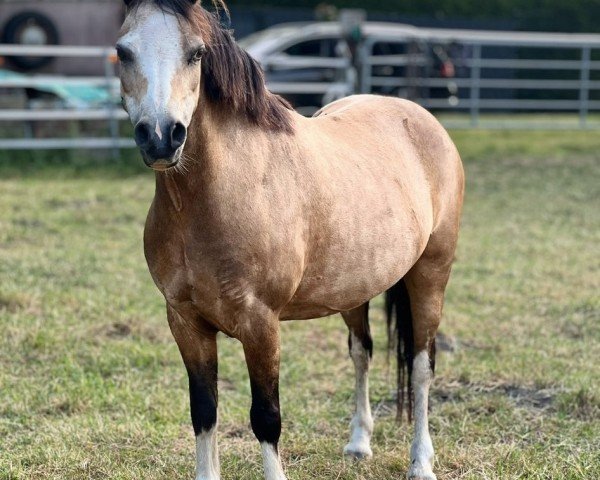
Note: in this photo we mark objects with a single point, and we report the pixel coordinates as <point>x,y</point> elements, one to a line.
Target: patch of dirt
<point>446,343</point>
<point>528,397</point>
<point>134,328</point>
<point>384,408</point>
<point>473,345</point>
<point>76,204</point>
<point>118,330</point>
<point>459,390</point>
<point>18,302</point>
<point>522,395</point>
<point>226,385</point>
<point>235,431</point>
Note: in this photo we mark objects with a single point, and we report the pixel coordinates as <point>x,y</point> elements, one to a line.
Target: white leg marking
<point>362,423</point>
<point>271,462</point>
<point>421,452</point>
<point>207,456</point>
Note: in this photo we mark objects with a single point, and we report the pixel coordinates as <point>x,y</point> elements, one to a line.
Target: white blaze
<point>157,44</point>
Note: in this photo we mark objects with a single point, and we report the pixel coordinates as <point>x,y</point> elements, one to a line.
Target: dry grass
<point>91,385</point>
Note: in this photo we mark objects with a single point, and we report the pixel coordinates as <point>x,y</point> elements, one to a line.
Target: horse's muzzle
<point>160,146</point>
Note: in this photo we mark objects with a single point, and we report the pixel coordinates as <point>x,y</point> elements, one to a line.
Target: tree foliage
<point>546,15</point>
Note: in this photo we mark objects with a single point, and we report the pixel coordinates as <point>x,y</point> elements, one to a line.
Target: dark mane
<point>231,77</point>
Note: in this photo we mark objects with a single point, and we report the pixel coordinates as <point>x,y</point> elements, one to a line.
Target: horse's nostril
<point>178,134</point>
<point>142,134</point>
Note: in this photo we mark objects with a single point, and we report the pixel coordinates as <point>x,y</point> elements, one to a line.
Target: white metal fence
<point>110,111</point>
<point>510,72</point>
<point>498,72</point>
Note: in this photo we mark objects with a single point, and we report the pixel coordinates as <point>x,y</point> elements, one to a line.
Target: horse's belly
<point>353,273</point>
<point>321,295</point>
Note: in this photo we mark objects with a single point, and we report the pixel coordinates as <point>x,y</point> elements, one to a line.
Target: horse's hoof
<point>358,453</point>
<point>420,474</point>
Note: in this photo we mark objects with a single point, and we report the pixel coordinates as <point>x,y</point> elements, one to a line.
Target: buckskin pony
<point>262,215</point>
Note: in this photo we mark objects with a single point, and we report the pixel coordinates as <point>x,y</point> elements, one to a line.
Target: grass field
<point>92,385</point>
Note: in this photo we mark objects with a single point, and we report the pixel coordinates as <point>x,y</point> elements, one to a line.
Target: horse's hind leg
<point>425,283</point>
<point>361,350</point>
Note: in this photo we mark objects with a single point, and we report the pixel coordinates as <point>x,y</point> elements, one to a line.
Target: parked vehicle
<point>311,65</point>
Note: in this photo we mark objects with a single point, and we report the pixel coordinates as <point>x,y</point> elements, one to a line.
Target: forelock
<point>183,8</point>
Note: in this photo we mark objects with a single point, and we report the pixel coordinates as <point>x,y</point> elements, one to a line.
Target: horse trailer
<point>59,22</point>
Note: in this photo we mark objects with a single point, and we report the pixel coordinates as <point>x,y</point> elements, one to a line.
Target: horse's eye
<point>124,55</point>
<point>196,55</point>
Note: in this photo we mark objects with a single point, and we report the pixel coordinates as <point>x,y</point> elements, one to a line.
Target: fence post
<point>584,89</point>
<point>365,72</point>
<point>475,86</point>
<point>351,22</point>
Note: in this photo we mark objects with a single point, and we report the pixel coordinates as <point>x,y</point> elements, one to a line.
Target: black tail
<point>400,334</point>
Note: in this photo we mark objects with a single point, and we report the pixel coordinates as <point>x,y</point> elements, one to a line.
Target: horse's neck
<point>221,147</point>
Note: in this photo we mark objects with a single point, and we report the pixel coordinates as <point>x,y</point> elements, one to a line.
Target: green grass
<point>517,121</point>
<point>92,385</point>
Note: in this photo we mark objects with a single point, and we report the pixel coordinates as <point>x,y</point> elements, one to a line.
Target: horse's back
<point>401,119</point>
<point>409,129</point>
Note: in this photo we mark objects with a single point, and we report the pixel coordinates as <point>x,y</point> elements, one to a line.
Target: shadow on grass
<point>71,164</point>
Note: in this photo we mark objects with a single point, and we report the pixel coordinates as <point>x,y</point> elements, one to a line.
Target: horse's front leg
<point>261,348</point>
<point>197,343</point>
